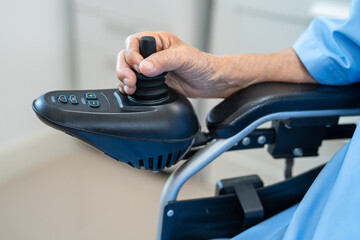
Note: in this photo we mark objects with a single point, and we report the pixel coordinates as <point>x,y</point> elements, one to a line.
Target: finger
<point>163,61</point>
<point>125,89</point>
<point>132,54</point>
<point>121,87</point>
<point>132,46</point>
<point>124,72</point>
<point>129,90</point>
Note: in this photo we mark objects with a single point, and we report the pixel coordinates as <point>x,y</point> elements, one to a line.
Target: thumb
<point>162,61</point>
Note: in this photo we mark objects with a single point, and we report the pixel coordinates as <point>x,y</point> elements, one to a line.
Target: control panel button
<point>94,103</point>
<point>73,99</point>
<point>62,98</point>
<point>91,96</point>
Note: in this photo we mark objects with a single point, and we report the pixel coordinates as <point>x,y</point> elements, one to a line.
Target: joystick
<point>149,90</point>
<point>151,129</point>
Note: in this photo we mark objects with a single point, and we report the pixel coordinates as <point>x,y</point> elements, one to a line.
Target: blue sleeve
<point>330,48</point>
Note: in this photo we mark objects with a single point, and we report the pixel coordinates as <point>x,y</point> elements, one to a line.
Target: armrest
<point>254,102</point>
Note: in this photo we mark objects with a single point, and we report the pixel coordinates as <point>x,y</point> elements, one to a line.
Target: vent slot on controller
<point>159,162</point>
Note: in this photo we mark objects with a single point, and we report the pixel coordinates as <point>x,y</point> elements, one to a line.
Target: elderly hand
<point>198,74</point>
<point>192,72</point>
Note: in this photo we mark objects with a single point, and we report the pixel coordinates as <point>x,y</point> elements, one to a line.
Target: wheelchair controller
<point>151,129</point>
<point>156,127</point>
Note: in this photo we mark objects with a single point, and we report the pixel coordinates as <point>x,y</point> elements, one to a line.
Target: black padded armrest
<point>247,105</point>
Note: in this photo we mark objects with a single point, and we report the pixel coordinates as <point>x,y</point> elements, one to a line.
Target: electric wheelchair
<point>156,128</point>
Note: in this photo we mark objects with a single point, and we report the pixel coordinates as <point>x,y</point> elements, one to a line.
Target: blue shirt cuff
<point>316,61</point>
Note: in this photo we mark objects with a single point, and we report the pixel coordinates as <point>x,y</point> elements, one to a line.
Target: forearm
<point>243,70</point>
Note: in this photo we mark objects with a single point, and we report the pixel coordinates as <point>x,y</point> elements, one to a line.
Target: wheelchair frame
<point>220,145</point>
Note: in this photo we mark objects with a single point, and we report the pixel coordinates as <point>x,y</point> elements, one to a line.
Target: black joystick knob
<point>149,90</point>
<point>147,46</point>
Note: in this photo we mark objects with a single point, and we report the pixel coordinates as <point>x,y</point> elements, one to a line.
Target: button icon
<point>73,99</point>
<point>90,96</point>
<point>94,103</point>
<point>62,98</point>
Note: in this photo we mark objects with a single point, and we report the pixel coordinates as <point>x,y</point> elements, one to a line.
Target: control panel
<point>79,100</point>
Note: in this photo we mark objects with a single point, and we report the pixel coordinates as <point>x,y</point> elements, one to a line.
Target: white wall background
<point>33,59</point>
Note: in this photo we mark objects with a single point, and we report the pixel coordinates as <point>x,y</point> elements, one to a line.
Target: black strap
<point>250,203</point>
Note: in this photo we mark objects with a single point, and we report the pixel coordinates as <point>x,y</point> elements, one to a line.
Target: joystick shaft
<point>149,90</point>
<point>147,46</point>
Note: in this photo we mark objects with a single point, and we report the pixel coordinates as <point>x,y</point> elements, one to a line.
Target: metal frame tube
<point>206,155</point>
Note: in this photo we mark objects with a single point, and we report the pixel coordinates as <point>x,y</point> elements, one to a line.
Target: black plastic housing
<point>148,136</point>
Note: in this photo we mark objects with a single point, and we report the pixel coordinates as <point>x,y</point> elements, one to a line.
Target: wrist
<point>241,70</point>
<point>285,66</point>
